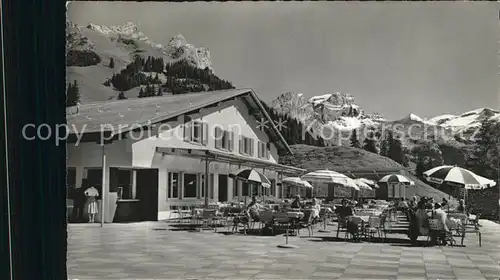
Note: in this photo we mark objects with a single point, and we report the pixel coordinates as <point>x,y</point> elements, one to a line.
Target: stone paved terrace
<point>153,251</point>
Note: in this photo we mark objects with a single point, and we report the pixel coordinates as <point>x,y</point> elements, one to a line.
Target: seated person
<point>296,204</point>
<point>461,206</point>
<point>253,209</point>
<point>444,202</point>
<point>344,211</point>
<point>403,205</point>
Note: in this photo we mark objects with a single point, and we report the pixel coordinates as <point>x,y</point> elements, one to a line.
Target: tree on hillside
<point>72,94</point>
<point>385,144</point>
<point>370,143</point>
<point>484,160</point>
<point>141,93</point>
<point>429,154</point>
<point>111,63</point>
<point>354,139</point>
<point>420,168</point>
<point>121,96</point>
<point>395,151</point>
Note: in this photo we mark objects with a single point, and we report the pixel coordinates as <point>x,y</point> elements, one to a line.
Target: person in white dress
<point>91,194</point>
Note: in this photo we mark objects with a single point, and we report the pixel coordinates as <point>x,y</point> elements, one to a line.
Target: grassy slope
<point>342,157</point>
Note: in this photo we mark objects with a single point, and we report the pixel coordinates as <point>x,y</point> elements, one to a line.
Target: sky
<point>428,58</point>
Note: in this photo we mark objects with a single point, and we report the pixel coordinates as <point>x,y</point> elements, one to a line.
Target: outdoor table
<point>295,214</point>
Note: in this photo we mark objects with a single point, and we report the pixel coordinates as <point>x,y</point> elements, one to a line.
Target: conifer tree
<point>420,168</point>
<point>141,93</point>
<point>370,143</point>
<point>72,94</point>
<point>354,139</point>
<point>121,96</point>
<point>111,63</point>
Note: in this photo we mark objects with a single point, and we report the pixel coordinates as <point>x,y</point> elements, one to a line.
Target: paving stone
<point>136,251</point>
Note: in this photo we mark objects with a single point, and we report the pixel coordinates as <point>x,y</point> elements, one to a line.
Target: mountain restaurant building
<point>150,156</point>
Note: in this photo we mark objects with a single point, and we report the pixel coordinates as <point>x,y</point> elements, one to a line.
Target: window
<point>273,187</point>
<point>235,187</point>
<point>173,185</point>
<point>246,146</point>
<point>224,139</point>
<point>195,131</point>
<point>245,189</point>
<point>190,185</point>
<point>120,181</point>
<point>263,150</point>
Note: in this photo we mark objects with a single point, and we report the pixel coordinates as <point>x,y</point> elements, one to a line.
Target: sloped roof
<point>120,116</point>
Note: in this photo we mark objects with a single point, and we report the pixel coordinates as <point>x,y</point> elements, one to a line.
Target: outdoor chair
<point>323,218</point>
<point>467,226</point>
<point>357,222</point>
<point>176,211</point>
<point>209,218</point>
<point>266,218</point>
<point>374,226</point>
<point>281,220</point>
<point>341,224</point>
<point>242,218</point>
<point>305,222</point>
<point>434,227</point>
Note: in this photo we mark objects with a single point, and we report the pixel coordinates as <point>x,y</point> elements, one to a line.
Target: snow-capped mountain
<point>177,48</point>
<point>461,123</point>
<point>92,47</point>
<point>336,110</point>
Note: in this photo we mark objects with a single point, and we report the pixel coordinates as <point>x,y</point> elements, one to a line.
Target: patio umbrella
<point>396,179</point>
<point>457,175</point>
<point>372,184</point>
<point>296,181</point>
<point>329,176</point>
<point>362,185</point>
<point>252,176</point>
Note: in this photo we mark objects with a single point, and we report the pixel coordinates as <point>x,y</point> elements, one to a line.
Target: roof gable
<point>117,117</point>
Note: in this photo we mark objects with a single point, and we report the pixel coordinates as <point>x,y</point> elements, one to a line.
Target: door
<point>222,188</point>
<point>147,193</point>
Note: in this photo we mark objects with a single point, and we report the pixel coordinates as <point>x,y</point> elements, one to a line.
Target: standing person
<point>91,194</point>
<point>315,207</point>
<point>79,202</point>
<point>441,216</point>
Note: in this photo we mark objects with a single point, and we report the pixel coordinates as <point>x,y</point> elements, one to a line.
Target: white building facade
<point>155,169</point>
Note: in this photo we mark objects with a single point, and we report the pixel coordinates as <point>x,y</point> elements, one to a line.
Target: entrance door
<point>222,188</point>
<point>147,193</point>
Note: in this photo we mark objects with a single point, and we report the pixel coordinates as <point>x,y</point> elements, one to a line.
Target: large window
<point>210,186</point>
<point>195,131</point>
<point>190,185</point>
<point>263,150</point>
<point>224,139</point>
<point>245,189</point>
<point>235,187</point>
<point>173,185</point>
<point>273,187</point>
<point>120,181</point>
<point>246,146</point>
